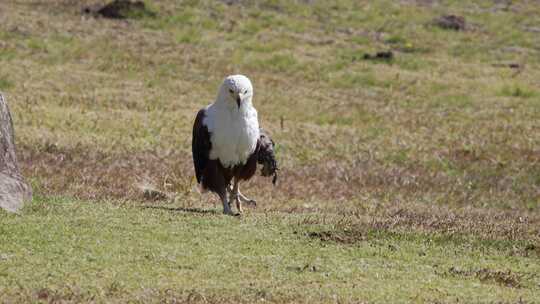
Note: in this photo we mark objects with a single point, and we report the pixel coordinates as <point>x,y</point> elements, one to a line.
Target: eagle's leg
<point>234,194</point>
<point>238,197</point>
<point>246,200</point>
<point>226,207</point>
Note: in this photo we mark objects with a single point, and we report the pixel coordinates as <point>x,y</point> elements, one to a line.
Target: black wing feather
<point>200,145</point>
<point>266,156</point>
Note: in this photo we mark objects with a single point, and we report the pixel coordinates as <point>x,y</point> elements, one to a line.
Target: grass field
<point>415,179</point>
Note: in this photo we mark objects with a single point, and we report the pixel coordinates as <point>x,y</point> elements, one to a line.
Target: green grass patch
<point>104,251</point>
<point>284,63</point>
<point>519,91</point>
<point>189,36</point>
<point>5,83</point>
<point>358,80</point>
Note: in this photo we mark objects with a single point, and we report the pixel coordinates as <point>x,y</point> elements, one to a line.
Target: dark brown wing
<point>200,145</point>
<point>266,156</point>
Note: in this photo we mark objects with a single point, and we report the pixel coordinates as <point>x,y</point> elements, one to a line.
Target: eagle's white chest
<point>233,133</point>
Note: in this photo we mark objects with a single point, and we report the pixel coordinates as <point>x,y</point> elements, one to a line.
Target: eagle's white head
<point>235,91</point>
<point>232,122</point>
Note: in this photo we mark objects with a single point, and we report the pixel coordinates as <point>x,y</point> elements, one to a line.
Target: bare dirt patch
<point>485,275</point>
<point>342,237</point>
<point>451,22</point>
<point>121,9</point>
<point>380,56</point>
<point>488,224</point>
<point>434,222</point>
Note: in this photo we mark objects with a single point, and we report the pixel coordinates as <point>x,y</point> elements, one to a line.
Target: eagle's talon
<point>252,203</point>
<point>228,211</point>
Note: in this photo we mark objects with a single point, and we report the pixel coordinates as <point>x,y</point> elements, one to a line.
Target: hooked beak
<point>238,101</point>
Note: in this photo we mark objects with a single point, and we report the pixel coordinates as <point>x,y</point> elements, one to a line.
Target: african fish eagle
<point>228,143</point>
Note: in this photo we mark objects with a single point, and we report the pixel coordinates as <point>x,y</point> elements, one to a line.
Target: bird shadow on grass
<point>183,209</point>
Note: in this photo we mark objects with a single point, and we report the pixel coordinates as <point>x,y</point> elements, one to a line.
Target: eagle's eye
<point>231,91</point>
<point>245,92</point>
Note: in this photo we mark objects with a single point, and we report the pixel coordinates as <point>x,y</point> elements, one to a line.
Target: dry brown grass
<point>86,173</point>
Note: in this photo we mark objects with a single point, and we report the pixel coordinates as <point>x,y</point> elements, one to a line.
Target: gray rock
<point>14,191</point>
